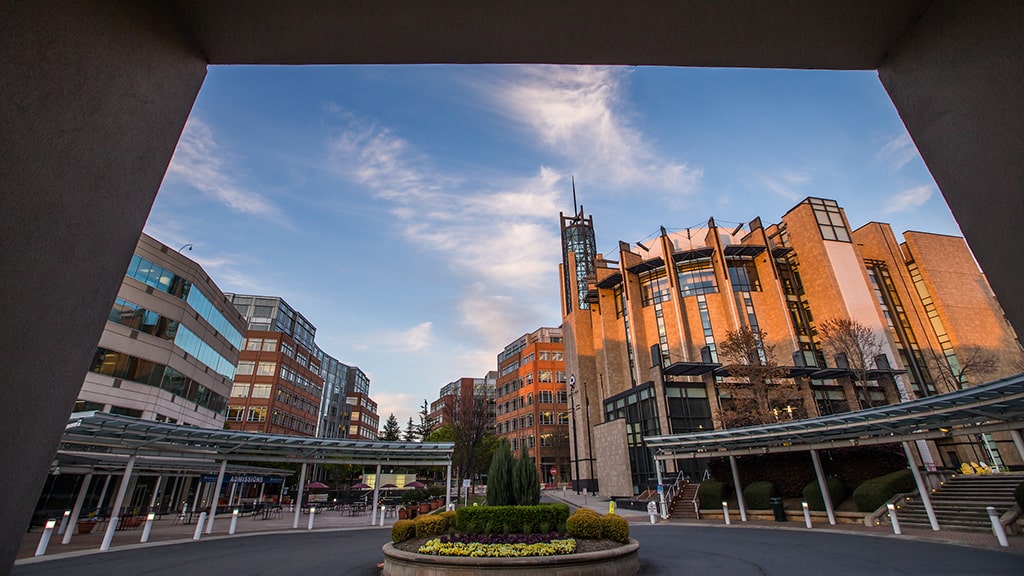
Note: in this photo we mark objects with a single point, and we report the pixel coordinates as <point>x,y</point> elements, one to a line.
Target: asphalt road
<point>664,550</point>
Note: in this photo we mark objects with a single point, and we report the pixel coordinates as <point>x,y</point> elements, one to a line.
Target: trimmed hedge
<point>541,518</point>
<point>836,489</point>
<point>615,527</point>
<point>875,492</point>
<point>710,493</point>
<point>757,495</point>
<point>1018,494</point>
<point>584,523</point>
<point>428,525</point>
<point>403,530</point>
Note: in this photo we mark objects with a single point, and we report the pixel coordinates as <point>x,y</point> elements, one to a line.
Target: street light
<point>189,246</point>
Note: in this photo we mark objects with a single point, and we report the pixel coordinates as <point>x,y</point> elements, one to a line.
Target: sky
<point>411,213</point>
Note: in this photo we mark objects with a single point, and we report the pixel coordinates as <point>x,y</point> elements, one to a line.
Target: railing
<point>670,494</point>
<point>696,502</point>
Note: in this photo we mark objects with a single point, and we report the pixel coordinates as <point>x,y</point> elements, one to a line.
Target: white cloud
<point>199,162</point>
<point>897,152</point>
<point>402,405</point>
<point>786,184</point>
<point>415,339</point>
<point>577,112</point>
<point>909,199</point>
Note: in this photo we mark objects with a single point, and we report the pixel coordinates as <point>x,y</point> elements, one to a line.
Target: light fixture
<point>641,245</point>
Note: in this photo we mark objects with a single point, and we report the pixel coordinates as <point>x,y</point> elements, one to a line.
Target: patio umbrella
<point>316,486</point>
<point>389,485</point>
<point>415,484</point>
<point>360,486</point>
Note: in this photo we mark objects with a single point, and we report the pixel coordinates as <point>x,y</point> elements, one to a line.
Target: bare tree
<point>856,343</point>
<point>759,389</point>
<point>470,422</point>
<point>970,362</point>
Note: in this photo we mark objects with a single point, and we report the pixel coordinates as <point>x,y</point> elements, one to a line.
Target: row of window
<point>126,367</point>
<point>696,277</point>
<point>527,421</point>
<point>162,279</point>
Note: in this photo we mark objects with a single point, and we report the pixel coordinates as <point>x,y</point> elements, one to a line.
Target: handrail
<point>696,502</point>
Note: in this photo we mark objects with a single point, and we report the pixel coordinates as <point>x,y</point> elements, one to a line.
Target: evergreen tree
<point>392,431</point>
<point>500,476</point>
<point>426,425</point>
<point>527,484</point>
<point>410,432</point>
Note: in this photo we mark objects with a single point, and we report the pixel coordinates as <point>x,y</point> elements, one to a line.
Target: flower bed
<point>437,547</point>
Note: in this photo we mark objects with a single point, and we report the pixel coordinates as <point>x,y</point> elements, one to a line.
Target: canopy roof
<point>99,432</point>
<point>995,406</point>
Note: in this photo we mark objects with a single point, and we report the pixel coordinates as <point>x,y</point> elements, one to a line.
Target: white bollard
<point>382,509</point>
<point>807,514</point>
<point>199,526</point>
<point>45,540</point>
<point>895,520</point>
<point>652,511</point>
<point>312,514</point>
<point>148,528</point>
<point>997,526</point>
<point>234,521</point>
<point>725,510</point>
<point>64,522</point>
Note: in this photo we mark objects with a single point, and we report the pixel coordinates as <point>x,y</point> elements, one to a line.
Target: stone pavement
<point>985,540</point>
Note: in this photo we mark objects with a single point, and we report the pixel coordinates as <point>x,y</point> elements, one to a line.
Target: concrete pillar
<point>156,493</point>
<point>823,485</point>
<point>215,499</point>
<point>77,509</point>
<point>115,516</point>
<point>739,488</point>
<point>376,496</point>
<point>298,496</point>
<point>92,159</point>
<point>1018,442</point>
<point>103,493</point>
<point>922,488</point>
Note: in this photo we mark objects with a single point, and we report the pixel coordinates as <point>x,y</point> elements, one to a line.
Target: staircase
<point>961,501</point>
<point>681,507</point>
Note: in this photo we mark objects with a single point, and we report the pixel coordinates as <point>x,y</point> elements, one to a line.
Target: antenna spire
<point>575,206</point>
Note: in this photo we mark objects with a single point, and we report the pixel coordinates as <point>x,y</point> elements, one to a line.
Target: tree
<point>426,424</point>
<point>527,491</point>
<point>410,432</point>
<point>470,422</point>
<point>859,345</point>
<point>969,363</point>
<point>500,476</point>
<point>758,387</point>
<point>391,432</point>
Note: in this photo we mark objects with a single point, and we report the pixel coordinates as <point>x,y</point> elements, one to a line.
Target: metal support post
<point>448,487</point>
<point>312,515</point>
<point>922,488</point>
<point>125,480</point>
<point>807,514</point>
<point>376,496</point>
<point>823,485</point>
<point>725,511</point>
<point>44,540</point>
<point>234,522</point>
<point>739,488</point>
<point>199,526</point>
<point>149,527</point>
<point>216,496</point>
<point>64,522</point>
<point>892,517</point>
<point>298,496</point>
<point>997,526</point>
<point>1018,442</point>
<point>76,510</point>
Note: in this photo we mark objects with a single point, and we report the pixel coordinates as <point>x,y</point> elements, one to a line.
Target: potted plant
<point>403,513</point>
<point>87,524</point>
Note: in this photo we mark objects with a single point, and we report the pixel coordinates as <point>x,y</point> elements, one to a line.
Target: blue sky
<point>411,212</point>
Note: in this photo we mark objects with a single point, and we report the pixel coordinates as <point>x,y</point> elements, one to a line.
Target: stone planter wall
<point>621,561</point>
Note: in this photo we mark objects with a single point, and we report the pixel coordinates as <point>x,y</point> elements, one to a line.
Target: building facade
<point>170,345</point>
<point>364,421</point>
<point>644,332</point>
<point>531,402</point>
<point>452,406</point>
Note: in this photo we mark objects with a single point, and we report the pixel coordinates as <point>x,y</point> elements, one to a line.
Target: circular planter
<point>621,561</point>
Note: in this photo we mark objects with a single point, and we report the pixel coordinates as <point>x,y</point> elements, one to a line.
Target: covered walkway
<point>993,407</point>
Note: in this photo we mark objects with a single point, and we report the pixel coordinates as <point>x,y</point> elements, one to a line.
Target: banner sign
<point>243,479</point>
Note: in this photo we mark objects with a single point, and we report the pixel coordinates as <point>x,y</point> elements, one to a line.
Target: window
<point>529,399</point>
<point>563,418</point>
<point>261,390</point>
<point>529,441</point>
<point>253,343</point>
<point>235,413</point>
<point>556,356</point>
<point>545,397</point>
<point>560,376</point>
<point>266,369</point>
<point>562,397</point>
<point>270,345</point>
<point>240,390</point>
<point>245,368</point>
<point>696,277</point>
<point>545,355</point>
<point>529,420</point>
<point>830,219</point>
<point>547,418</point>
<point>546,440</point>
<point>654,287</point>
<point>544,376</point>
<point>743,274</point>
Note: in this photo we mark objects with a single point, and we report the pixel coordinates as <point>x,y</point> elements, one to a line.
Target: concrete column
<point>922,488</point>
<point>77,509</point>
<point>195,501</point>
<point>823,485</point>
<point>1018,442</point>
<point>376,496</point>
<point>156,492</point>
<point>739,488</point>
<point>298,496</point>
<point>112,525</point>
<point>448,486</point>
<point>216,496</point>
<point>103,493</point>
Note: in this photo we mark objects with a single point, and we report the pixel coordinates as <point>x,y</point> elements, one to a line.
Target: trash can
<point>780,512</point>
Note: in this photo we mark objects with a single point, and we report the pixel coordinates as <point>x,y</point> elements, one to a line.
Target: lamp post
<point>575,434</point>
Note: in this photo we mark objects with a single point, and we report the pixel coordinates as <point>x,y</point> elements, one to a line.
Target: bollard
<point>382,509</point>
<point>563,492</point>
<point>652,511</point>
<point>895,520</point>
<point>44,541</point>
<point>199,526</point>
<point>234,521</point>
<point>148,528</point>
<point>807,514</point>
<point>725,510</point>
<point>64,522</point>
<point>997,526</point>
<point>611,506</point>
<point>312,514</point>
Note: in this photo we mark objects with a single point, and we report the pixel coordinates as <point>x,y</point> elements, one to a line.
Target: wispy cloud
<point>786,184</point>
<point>909,199</point>
<point>402,405</point>
<point>897,152</point>
<point>578,112</point>
<point>200,162</point>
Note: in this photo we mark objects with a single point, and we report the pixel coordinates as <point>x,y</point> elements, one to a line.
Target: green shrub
<point>435,491</point>
<point>836,489</point>
<point>481,519</point>
<point>757,495</point>
<point>449,520</point>
<point>414,495</point>
<point>710,493</point>
<point>429,525</point>
<point>614,527</point>
<point>403,530</point>
<point>873,493</point>
<point>584,523</point>
<point>1018,494</point>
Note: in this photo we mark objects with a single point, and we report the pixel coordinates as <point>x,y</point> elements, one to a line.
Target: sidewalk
<point>985,540</point>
